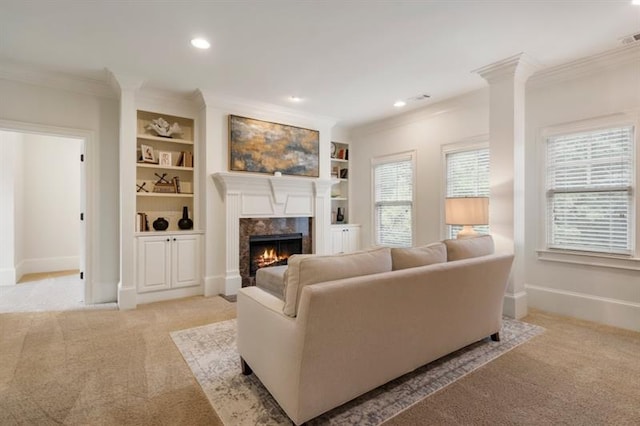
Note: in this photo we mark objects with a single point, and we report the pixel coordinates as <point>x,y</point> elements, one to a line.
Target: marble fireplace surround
<point>250,195</point>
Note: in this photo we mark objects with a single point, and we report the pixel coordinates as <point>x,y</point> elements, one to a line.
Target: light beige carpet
<point>122,368</point>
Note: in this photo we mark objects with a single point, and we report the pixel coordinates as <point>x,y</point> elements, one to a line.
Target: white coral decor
<point>162,127</point>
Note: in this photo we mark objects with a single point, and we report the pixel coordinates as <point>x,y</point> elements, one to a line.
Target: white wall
<point>50,205</point>
<point>27,103</point>
<point>605,295</point>
<point>10,143</point>
<point>456,120</point>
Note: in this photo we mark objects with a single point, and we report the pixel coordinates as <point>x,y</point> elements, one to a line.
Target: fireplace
<point>272,250</point>
<point>259,234</point>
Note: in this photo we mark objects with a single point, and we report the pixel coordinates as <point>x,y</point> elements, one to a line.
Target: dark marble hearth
<point>270,226</point>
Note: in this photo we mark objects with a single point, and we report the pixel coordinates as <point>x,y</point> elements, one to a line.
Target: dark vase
<point>340,215</point>
<point>160,224</point>
<point>185,222</point>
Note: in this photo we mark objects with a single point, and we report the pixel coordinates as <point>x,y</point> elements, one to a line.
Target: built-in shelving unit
<point>340,189</point>
<point>165,174</point>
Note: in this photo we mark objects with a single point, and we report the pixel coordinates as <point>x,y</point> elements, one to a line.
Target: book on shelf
<point>344,173</point>
<point>142,222</point>
<point>186,159</point>
<point>176,184</point>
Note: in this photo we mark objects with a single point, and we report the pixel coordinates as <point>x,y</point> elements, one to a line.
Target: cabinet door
<point>351,239</point>
<point>337,236</point>
<point>154,254</point>
<point>185,260</point>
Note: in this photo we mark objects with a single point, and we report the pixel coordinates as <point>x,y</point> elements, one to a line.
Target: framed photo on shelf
<point>147,154</point>
<point>164,158</point>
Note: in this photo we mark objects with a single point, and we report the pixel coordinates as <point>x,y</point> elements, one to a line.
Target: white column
<point>127,87</point>
<point>322,217</point>
<point>232,279</point>
<point>8,168</point>
<point>507,79</point>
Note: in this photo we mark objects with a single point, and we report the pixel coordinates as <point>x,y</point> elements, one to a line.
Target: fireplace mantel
<point>250,195</point>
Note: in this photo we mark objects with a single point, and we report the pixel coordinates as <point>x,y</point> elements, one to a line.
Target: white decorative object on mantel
<point>162,127</point>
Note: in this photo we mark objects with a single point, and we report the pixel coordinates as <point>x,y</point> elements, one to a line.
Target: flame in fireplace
<point>269,257</point>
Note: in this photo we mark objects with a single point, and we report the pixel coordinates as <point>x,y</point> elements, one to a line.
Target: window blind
<point>393,191</point>
<point>589,189</point>
<point>467,175</point>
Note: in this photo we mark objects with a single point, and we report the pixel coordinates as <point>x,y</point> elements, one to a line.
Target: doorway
<point>43,211</point>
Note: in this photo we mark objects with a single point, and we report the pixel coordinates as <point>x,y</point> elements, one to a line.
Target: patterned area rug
<point>211,353</point>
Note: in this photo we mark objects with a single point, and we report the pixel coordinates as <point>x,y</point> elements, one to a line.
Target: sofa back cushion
<point>465,248</point>
<point>403,258</point>
<point>308,269</point>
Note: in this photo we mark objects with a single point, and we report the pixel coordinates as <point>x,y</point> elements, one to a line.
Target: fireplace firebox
<point>272,250</point>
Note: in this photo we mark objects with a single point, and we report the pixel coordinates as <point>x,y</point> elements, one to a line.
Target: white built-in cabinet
<point>168,261</point>
<point>165,185</point>
<point>340,177</point>
<point>345,238</point>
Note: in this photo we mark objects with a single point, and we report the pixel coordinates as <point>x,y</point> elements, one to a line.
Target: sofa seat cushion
<point>271,280</point>
<point>307,269</point>
<point>403,258</point>
<point>465,248</point>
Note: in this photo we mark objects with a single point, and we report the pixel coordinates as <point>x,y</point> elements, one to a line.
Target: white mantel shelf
<point>253,195</point>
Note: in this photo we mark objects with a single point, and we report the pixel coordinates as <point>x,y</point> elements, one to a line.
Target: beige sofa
<point>333,339</point>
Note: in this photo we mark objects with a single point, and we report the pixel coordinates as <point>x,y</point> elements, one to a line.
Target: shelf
<point>338,160</point>
<point>339,198</point>
<point>164,195</point>
<point>161,139</point>
<point>157,166</point>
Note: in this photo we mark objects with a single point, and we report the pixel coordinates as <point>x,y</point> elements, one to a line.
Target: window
<point>589,191</point>
<point>467,175</point>
<point>393,184</point>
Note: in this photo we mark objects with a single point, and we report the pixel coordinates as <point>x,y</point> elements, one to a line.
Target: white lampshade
<point>467,211</point>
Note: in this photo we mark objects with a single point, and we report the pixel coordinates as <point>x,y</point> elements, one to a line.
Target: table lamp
<point>467,211</point>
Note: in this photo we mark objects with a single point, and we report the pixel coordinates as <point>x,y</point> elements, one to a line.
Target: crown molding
<point>520,67</point>
<point>30,74</point>
<point>445,106</point>
<point>603,61</point>
<point>232,103</point>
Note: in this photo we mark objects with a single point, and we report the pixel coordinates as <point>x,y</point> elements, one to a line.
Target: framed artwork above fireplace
<point>264,147</point>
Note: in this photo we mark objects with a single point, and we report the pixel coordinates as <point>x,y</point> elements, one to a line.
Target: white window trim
<point>392,158</point>
<point>544,253</point>
<point>476,142</point>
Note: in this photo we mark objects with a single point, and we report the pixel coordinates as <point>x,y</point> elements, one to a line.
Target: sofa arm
<point>271,343</point>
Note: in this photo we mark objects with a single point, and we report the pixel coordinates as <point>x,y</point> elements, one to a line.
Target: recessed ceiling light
<point>399,104</point>
<point>200,43</point>
<point>635,2</point>
<point>295,98</point>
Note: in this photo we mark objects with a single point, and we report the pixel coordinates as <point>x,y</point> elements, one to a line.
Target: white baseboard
<point>614,312</point>
<point>8,277</point>
<point>213,285</point>
<point>19,271</point>
<point>515,305</point>
<point>49,264</point>
<point>232,284</point>
<point>126,297</point>
<point>174,293</point>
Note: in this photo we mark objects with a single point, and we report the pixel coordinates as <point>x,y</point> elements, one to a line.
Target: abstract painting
<point>264,147</point>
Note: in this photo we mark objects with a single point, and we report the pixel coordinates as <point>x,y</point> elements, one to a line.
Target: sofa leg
<point>246,370</point>
<point>495,337</point>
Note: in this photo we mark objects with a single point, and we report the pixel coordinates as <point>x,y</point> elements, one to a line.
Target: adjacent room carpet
<point>211,353</point>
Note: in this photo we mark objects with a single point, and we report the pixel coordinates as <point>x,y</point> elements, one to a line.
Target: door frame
<point>86,138</point>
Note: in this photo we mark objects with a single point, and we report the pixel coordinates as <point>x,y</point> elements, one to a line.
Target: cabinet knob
<point>168,239</point>
<point>174,239</point>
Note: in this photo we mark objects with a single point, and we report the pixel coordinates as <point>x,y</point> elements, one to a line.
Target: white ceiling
<point>348,59</point>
